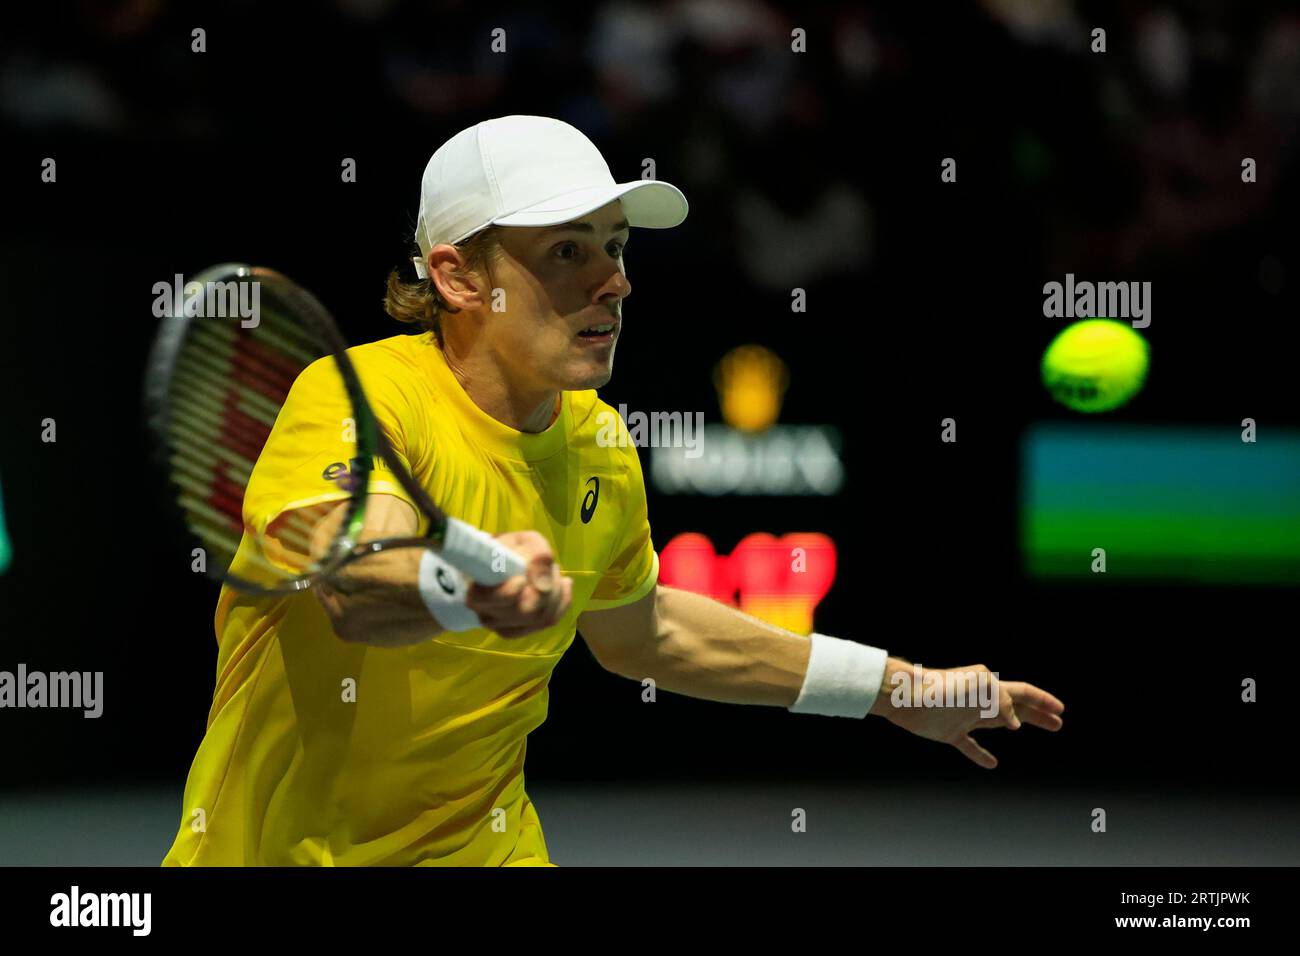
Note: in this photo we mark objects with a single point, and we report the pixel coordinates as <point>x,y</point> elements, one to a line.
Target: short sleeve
<point>311,449</point>
<point>634,570</point>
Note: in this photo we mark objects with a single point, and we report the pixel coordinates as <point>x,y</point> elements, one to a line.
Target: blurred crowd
<point>791,161</point>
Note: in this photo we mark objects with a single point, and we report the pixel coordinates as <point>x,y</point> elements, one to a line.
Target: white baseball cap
<point>527,171</point>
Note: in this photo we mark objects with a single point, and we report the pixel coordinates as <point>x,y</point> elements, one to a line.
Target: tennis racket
<point>231,343</point>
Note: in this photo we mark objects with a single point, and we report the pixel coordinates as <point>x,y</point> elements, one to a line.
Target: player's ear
<point>449,278</point>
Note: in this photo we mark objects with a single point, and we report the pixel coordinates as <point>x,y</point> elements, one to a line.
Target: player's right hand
<point>528,602</point>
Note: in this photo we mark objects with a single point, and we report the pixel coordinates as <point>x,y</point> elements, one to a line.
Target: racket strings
<point>228,386</point>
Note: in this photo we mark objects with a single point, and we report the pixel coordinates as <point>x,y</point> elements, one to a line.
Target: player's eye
<point>616,249</point>
<point>569,246</point>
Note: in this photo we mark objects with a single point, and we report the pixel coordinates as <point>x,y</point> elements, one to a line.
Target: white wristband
<point>843,678</point>
<point>443,590</point>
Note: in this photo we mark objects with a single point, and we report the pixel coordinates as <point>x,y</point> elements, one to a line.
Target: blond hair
<point>420,303</point>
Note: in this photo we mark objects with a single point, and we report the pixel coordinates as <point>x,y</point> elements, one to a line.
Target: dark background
<point>1117,166</point>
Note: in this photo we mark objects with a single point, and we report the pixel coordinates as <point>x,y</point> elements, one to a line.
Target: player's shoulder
<point>395,367</point>
<point>598,425</point>
<point>389,371</point>
<point>397,355</point>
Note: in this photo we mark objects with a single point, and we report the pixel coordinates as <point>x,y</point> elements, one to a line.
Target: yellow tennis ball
<point>1096,365</point>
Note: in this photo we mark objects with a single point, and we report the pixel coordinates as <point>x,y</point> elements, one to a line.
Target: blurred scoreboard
<point>1190,504</point>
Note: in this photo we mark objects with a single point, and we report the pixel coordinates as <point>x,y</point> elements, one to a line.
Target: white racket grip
<point>479,555</point>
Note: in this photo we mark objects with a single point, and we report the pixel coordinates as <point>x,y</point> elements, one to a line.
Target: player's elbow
<point>623,664</point>
<point>618,667</point>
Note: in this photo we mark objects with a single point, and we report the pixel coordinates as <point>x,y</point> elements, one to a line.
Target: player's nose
<point>616,288</point>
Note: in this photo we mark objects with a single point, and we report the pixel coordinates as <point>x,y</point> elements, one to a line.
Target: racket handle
<point>479,555</point>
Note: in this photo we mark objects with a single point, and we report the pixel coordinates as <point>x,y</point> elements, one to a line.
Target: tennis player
<point>385,719</point>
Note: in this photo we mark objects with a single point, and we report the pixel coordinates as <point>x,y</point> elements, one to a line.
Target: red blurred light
<point>780,580</point>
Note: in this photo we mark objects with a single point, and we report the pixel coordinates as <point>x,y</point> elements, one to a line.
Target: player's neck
<point>489,388</point>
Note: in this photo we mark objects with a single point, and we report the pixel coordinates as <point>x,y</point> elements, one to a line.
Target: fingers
<point>1023,693</point>
<point>495,600</point>
<point>533,601</point>
<point>1009,717</point>
<point>1039,718</point>
<point>516,604</point>
<point>975,752</point>
<point>1032,705</point>
<point>1015,716</point>
<point>555,602</point>
<point>1020,703</point>
<point>541,572</point>
<point>540,619</point>
<point>544,583</point>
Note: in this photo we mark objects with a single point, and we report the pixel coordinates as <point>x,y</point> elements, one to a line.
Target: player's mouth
<point>601,332</point>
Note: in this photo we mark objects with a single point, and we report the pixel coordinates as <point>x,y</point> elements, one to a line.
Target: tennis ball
<point>1096,365</point>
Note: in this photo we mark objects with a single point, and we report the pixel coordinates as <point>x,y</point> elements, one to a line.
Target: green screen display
<point>4,539</point>
<point>1194,504</point>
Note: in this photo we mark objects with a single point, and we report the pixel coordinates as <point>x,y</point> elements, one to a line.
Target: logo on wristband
<point>445,582</point>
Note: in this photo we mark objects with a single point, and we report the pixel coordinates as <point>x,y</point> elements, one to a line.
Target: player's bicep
<point>618,635</point>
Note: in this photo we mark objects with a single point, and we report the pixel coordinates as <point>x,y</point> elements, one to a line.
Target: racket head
<point>229,347</point>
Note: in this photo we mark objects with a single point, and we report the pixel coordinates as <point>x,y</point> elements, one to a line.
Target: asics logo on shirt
<point>589,500</point>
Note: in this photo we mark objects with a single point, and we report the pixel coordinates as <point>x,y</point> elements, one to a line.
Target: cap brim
<point>647,203</point>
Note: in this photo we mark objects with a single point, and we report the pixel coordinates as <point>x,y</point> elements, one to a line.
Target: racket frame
<point>371,441</point>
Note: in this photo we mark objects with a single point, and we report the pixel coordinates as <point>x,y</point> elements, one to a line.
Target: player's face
<point>564,288</point>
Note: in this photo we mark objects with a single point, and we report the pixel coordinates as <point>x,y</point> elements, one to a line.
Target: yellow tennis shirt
<point>321,752</point>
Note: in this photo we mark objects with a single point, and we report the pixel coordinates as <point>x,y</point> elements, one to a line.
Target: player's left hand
<point>1017,703</point>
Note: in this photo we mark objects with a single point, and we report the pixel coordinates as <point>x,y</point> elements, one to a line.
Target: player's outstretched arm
<point>690,644</point>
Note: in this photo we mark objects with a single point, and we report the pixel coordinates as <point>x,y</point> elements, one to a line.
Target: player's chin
<point>595,379</point>
<point>591,371</point>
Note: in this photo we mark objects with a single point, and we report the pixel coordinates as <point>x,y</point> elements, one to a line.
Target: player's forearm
<point>406,595</point>
<point>705,649</point>
<point>377,601</point>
